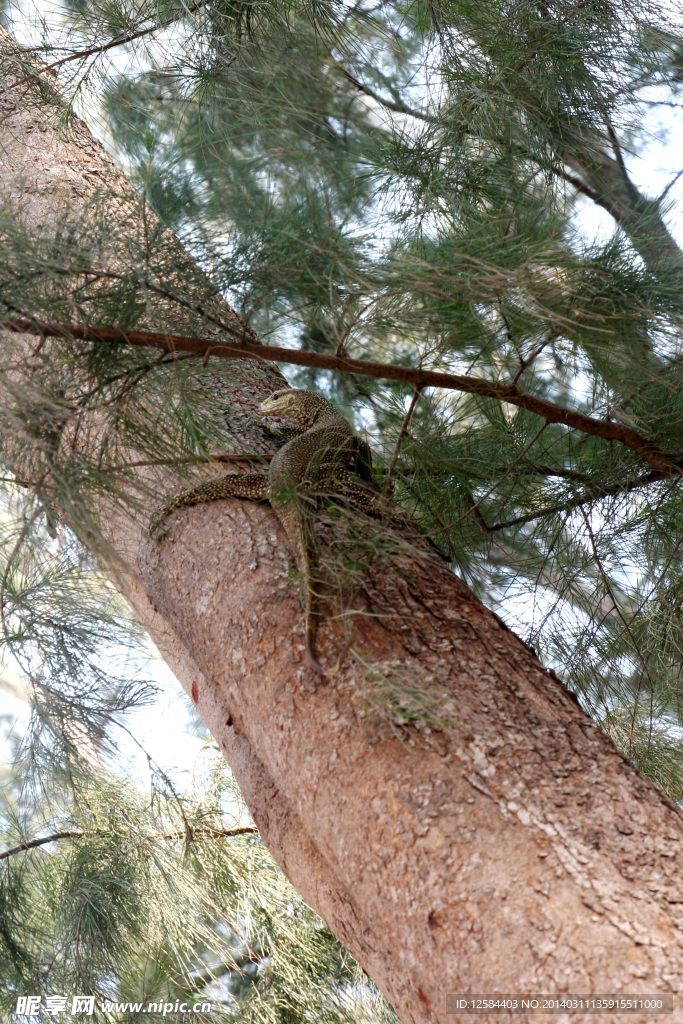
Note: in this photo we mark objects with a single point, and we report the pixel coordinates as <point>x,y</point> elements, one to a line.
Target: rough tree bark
<point>512,850</point>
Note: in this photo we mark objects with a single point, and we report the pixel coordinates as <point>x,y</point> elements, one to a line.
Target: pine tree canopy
<point>449,191</point>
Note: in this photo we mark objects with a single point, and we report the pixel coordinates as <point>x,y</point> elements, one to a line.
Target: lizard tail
<point>299,529</point>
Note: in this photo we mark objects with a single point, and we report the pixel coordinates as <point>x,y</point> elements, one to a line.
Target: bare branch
<point>206,831</point>
<point>399,439</point>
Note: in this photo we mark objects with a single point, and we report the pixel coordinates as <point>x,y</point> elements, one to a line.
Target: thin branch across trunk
<point>608,430</point>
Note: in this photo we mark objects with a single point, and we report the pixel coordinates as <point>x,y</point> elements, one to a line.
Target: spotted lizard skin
<point>318,459</point>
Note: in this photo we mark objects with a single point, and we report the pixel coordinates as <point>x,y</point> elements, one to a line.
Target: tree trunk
<point>508,847</point>
<point>640,218</point>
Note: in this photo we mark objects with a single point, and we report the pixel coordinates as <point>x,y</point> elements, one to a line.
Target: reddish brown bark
<point>510,849</point>
<point>513,851</point>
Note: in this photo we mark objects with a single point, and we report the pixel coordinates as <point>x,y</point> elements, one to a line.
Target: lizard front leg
<point>252,486</point>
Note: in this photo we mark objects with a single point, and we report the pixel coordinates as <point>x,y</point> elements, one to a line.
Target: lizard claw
<point>158,528</point>
<point>328,672</point>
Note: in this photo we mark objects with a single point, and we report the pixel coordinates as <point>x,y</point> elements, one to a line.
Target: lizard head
<point>304,407</point>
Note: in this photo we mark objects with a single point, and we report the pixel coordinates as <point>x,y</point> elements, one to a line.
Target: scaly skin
<point>315,461</point>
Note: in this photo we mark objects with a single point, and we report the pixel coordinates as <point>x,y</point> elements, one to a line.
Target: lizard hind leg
<point>252,486</point>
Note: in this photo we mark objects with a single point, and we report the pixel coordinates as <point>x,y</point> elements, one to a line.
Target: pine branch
<point>397,105</point>
<point>120,41</point>
<point>401,434</point>
<point>578,501</point>
<point>201,833</point>
<point>605,179</point>
<point>608,430</point>
<point>33,843</point>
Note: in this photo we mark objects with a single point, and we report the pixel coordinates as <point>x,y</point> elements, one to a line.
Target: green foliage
<point>175,903</point>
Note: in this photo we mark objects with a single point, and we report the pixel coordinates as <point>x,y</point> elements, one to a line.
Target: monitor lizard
<point>318,459</point>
